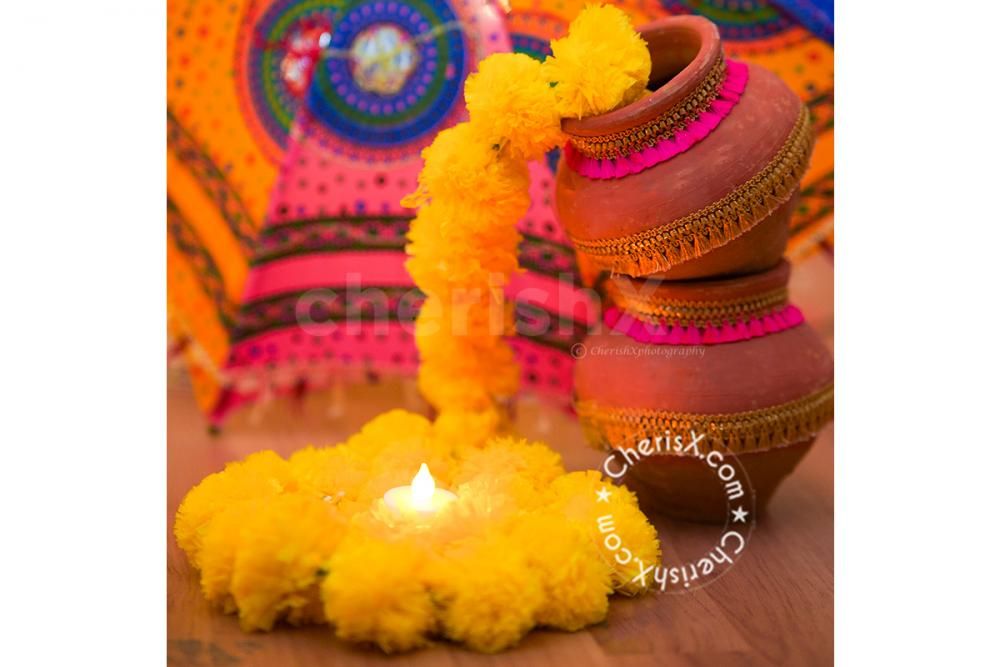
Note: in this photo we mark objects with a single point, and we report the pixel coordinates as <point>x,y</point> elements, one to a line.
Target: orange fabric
<point>202,99</point>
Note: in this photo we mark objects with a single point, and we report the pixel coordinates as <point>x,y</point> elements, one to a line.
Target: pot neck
<point>702,301</point>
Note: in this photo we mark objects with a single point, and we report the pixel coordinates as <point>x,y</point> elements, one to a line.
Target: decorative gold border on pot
<point>652,308</point>
<point>664,126</point>
<point>738,432</point>
<point>689,237</point>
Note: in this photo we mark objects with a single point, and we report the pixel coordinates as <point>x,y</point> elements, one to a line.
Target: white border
<point>83,428</point>
<point>83,179</point>
<point>916,281</point>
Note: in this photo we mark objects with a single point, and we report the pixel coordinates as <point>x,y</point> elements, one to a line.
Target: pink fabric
<point>730,92</point>
<point>325,269</point>
<point>385,345</point>
<point>661,333</point>
<point>544,370</point>
<point>560,297</point>
<point>313,183</point>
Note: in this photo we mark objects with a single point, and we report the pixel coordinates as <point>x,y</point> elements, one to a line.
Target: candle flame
<point>422,489</point>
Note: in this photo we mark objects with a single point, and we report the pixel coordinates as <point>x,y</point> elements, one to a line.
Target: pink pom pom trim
<point>698,128</point>
<point>660,333</point>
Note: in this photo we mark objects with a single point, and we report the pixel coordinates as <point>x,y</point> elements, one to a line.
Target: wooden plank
<point>774,608</point>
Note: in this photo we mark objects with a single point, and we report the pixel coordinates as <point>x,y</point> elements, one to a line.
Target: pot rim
<point>672,28</point>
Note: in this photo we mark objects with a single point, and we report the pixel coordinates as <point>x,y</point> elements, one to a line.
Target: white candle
<point>421,500</point>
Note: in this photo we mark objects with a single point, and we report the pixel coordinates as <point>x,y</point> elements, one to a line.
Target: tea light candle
<point>420,500</point>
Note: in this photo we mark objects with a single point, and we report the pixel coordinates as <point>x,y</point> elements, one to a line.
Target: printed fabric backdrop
<point>294,128</point>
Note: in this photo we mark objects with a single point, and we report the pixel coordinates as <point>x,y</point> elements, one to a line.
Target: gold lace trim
<point>665,125</point>
<point>693,235</point>
<point>739,432</point>
<point>652,308</point>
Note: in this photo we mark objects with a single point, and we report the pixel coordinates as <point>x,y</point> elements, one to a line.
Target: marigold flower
<point>575,579</point>
<point>462,165</point>
<point>511,103</point>
<point>600,65</point>
<point>575,496</point>
<point>512,456</point>
<point>375,593</point>
<point>261,474</point>
<point>281,559</point>
<point>489,594</point>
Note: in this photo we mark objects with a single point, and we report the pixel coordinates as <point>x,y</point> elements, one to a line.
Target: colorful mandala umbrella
<point>327,295</point>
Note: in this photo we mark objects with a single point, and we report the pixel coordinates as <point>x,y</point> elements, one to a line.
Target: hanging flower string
<point>474,187</point>
<point>316,538</point>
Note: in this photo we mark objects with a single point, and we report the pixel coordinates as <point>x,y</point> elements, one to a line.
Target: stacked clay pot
<point>678,207</point>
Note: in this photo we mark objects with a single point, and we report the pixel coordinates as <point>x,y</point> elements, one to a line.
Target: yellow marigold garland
<point>474,187</point>
<point>310,540</point>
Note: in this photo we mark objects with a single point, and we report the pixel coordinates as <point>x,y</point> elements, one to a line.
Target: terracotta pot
<point>729,358</point>
<point>694,180</point>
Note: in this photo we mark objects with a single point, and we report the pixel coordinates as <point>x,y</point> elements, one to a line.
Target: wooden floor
<point>774,608</point>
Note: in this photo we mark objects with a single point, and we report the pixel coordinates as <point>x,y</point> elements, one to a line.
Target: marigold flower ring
<point>414,530</point>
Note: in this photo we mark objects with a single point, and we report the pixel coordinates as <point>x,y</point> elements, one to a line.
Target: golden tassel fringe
<point>715,225</point>
<point>738,432</point>
<point>651,308</point>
